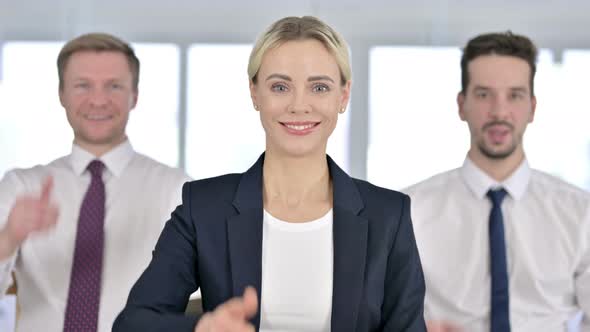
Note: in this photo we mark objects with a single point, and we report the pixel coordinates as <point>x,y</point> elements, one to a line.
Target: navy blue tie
<point>500,318</point>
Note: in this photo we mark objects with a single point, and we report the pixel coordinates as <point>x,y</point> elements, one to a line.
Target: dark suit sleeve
<point>158,299</point>
<point>403,307</point>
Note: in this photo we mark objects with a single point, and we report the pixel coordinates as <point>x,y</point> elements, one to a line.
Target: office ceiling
<point>562,23</point>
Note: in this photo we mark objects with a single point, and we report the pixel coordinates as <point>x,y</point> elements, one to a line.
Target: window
<point>558,140</point>
<point>33,126</point>
<point>153,124</point>
<point>414,129</point>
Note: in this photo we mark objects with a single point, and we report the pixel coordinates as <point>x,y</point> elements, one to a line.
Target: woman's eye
<point>279,88</point>
<point>320,88</point>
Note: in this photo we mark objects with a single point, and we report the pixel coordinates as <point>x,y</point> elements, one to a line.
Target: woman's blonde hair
<point>300,28</point>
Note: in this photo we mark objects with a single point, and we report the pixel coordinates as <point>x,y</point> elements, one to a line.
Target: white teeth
<point>96,117</point>
<point>299,127</point>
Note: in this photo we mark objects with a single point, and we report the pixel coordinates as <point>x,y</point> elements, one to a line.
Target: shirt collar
<point>115,160</point>
<point>479,182</point>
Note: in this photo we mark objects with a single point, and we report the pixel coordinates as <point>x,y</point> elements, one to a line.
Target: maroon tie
<point>85,280</point>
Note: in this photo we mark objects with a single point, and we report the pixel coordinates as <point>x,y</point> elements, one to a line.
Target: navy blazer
<point>213,241</point>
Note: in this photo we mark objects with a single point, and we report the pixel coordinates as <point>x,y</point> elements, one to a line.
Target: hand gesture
<point>29,214</point>
<point>232,315</point>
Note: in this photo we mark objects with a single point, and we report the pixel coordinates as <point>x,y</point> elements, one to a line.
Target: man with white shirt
<point>503,246</point>
<point>78,232</point>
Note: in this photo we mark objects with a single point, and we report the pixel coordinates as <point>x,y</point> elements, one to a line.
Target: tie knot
<point>497,195</point>
<point>95,168</point>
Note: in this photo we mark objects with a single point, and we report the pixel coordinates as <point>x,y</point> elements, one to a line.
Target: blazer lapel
<point>350,243</point>
<point>350,250</point>
<point>245,235</point>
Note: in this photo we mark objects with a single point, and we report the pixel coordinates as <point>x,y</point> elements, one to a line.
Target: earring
<point>342,110</point>
<point>256,107</point>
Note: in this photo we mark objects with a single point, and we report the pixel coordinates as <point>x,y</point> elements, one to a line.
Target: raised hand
<point>29,214</point>
<point>232,315</point>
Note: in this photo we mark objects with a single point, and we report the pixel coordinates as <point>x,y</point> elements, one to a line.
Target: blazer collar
<point>249,192</point>
<point>245,235</point>
<point>346,193</point>
<point>350,250</point>
<point>350,242</point>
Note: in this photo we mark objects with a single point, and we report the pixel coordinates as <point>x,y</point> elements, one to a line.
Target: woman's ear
<point>253,95</point>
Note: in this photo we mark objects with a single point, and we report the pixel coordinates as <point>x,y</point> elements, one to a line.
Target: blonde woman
<point>294,243</point>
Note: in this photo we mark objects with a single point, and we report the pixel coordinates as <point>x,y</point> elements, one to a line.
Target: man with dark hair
<point>505,43</point>
<point>502,245</point>
<point>78,232</point>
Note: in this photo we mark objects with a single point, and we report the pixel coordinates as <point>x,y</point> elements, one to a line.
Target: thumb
<point>250,299</point>
<point>46,190</point>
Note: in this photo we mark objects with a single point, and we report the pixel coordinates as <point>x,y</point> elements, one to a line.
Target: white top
<point>547,229</point>
<point>140,195</point>
<point>297,275</point>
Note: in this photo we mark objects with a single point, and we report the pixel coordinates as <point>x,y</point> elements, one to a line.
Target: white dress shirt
<point>297,275</point>
<point>547,230</point>
<point>140,195</point>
